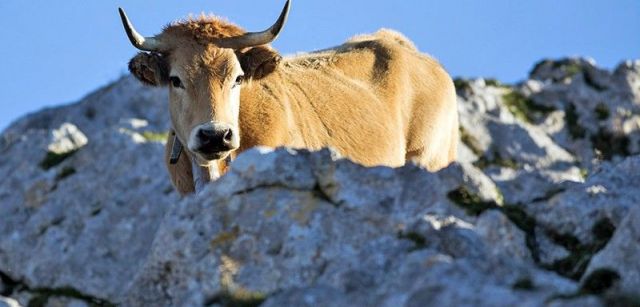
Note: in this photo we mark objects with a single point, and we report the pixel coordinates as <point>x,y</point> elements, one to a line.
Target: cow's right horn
<point>258,38</point>
<point>139,41</point>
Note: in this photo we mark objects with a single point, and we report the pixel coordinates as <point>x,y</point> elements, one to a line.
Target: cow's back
<point>375,98</point>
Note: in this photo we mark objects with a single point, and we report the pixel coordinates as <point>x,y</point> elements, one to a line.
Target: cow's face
<point>204,93</point>
<point>204,72</point>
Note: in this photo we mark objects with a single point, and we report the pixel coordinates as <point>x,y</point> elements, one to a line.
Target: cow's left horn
<point>257,38</point>
<point>139,41</point>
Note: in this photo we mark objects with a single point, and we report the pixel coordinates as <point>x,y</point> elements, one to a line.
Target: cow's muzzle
<point>213,141</point>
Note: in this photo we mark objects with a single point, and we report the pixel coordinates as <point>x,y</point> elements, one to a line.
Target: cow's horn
<point>257,38</point>
<point>139,41</point>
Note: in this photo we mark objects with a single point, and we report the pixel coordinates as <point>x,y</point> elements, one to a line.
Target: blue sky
<point>55,52</point>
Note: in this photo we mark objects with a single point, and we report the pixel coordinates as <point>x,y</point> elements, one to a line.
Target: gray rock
<point>601,110</point>
<point>376,235</point>
<point>520,157</point>
<point>502,236</point>
<point>83,220</point>
<point>548,251</point>
<point>8,302</point>
<point>288,227</point>
<point>582,301</point>
<point>66,139</point>
<point>590,211</point>
<point>621,255</point>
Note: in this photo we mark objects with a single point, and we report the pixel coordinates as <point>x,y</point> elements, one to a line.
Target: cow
<point>375,99</point>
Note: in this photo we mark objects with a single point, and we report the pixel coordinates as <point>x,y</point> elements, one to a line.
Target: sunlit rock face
<point>539,209</point>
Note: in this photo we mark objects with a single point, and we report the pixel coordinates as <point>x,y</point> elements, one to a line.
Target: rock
<point>583,301</point>
<point>8,302</point>
<point>560,70</point>
<point>125,98</point>
<point>311,297</point>
<point>549,252</point>
<point>619,258</point>
<point>521,158</point>
<point>601,110</point>
<point>327,225</point>
<point>89,215</point>
<point>66,139</point>
<point>591,211</point>
<point>85,220</point>
<point>503,236</point>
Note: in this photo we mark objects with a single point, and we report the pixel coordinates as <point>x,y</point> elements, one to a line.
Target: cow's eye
<point>239,80</point>
<point>175,82</point>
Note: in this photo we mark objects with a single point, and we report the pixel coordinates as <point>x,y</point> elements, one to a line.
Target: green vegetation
<point>151,136</point>
<point>568,66</point>
<point>622,300</point>
<point>576,131</point>
<point>524,108</point>
<point>461,84</point>
<point>599,281</point>
<point>603,230</point>
<point>65,172</point>
<point>610,145</point>
<point>471,203</point>
<point>90,112</point>
<point>42,295</point>
<point>52,159</point>
<point>225,237</point>
<point>239,298</point>
<point>588,79</point>
<point>493,82</point>
<point>571,69</point>
<point>602,111</point>
<point>524,283</point>
<point>419,241</point>
<point>574,265</point>
<point>584,173</point>
<point>471,142</point>
<point>483,162</point>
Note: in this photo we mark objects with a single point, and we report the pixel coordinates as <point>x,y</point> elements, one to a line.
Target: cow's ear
<point>149,68</point>
<point>258,62</point>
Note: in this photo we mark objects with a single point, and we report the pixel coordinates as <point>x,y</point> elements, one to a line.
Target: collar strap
<point>176,150</point>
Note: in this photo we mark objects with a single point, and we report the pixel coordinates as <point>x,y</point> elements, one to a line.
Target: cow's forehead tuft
<point>203,30</point>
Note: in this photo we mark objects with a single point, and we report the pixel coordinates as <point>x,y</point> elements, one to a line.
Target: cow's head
<point>204,63</point>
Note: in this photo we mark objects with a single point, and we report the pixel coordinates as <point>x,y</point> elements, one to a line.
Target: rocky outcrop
<point>541,209</point>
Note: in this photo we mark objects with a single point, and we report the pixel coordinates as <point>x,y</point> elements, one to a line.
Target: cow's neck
<point>203,174</point>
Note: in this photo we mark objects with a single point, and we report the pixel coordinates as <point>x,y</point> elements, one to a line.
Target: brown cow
<point>375,98</point>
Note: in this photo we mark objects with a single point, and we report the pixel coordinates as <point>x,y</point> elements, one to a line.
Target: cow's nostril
<point>205,135</point>
<point>207,132</point>
<point>228,136</point>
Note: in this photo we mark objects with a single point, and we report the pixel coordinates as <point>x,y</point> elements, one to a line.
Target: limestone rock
<point>8,302</point>
<point>543,189</point>
<point>66,139</point>
<point>591,211</point>
<point>620,256</point>
<point>503,236</point>
<point>373,235</point>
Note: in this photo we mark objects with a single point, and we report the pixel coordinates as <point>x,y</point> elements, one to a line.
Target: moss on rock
<point>576,131</point>
<point>52,159</point>
<point>524,108</point>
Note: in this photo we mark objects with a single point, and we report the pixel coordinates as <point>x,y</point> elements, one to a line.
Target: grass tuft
<point>52,159</point>
<point>524,108</point>
<point>159,137</point>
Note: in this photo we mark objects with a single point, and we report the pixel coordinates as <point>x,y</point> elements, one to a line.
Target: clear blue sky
<point>55,52</point>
